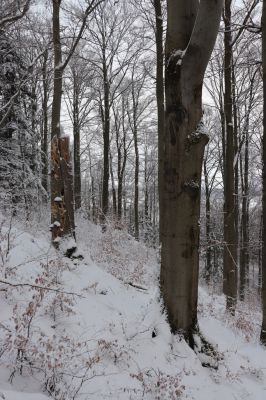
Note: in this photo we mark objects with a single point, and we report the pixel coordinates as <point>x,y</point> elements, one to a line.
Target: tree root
<point>208,355</point>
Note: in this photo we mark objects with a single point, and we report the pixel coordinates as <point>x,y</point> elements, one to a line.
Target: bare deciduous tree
<point>192,28</point>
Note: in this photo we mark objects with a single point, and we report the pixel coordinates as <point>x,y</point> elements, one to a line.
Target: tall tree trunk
<point>236,166</point>
<point>244,251</point>
<point>159,93</point>
<point>136,181</point>
<point>146,219</point>
<point>260,256</point>
<point>230,235</point>
<point>263,292</point>
<point>44,145</point>
<point>121,164</point>
<point>106,142</point>
<point>62,215</point>
<point>208,268</point>
<point>185,141</point>
<point>76,132</point>
<point>113,188</point>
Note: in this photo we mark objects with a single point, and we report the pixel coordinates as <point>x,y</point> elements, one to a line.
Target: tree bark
<point>76,131</point>
<point>189,43</point>
<point>136,180</point>
<point>208,268</point>
<point>113,189</point>
<point>230,235</point>
<point>159,93</point>
<point>106,142</point>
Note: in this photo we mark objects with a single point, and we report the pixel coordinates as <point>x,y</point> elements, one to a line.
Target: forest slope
<point>99,331</point>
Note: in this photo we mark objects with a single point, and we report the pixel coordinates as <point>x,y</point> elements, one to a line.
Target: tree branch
<point>11,19</point>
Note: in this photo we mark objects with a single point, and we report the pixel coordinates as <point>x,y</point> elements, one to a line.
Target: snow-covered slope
<point>99,331</point>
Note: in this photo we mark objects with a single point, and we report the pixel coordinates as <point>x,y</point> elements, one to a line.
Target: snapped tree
<point>192,28</point>
<point>62,207</point>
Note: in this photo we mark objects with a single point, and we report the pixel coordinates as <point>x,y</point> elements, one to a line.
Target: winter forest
<point>133,199</point>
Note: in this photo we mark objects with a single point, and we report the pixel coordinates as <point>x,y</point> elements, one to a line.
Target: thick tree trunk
<point>263,292</point>
<point>184,147</point>
<point>230,235</point>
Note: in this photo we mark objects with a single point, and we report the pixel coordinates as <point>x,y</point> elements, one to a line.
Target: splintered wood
<point>62,214</point>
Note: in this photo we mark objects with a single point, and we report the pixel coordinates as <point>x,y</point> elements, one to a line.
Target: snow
<point>11,395</point>
<point>58,198</point>
<point>111,331</point>
<point>177,56</point>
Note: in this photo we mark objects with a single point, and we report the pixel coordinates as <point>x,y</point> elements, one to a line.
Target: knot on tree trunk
<point>199,136</point>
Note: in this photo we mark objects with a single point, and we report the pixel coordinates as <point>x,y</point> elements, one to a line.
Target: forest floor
<point>99,331</point>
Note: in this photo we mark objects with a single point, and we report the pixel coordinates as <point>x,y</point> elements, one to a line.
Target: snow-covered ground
<point>99,331</point>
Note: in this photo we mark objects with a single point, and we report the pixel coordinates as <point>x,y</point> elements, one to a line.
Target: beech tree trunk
<point>76,134</point>
<point>230,234</point>
<point>192,28</point>
<point>159,93</point>
<point>106,142</point>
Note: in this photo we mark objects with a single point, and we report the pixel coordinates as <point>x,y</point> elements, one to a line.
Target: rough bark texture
<point>76,131</point>
<point>263,293</point>
<point>106,141</point>
<point>136,181</point>
<point>230,235</point>
<point>62,190</point>
<point>183,155</point>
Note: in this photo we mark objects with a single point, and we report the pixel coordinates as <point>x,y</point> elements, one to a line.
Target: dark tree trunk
<point>106,142</point>
<point>76,132</point>
<point>230,235</point>
<point>244,251</point>
<point>113,189</point>
<point>208,269</point>
<point>136,183</point>
<point>185,141</point>
<point>159,92</point>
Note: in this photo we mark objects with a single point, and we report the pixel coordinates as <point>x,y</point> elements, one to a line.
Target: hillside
<point>99,332</point>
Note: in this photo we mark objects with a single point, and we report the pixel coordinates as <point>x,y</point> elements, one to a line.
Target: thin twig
<point>40,287</point>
